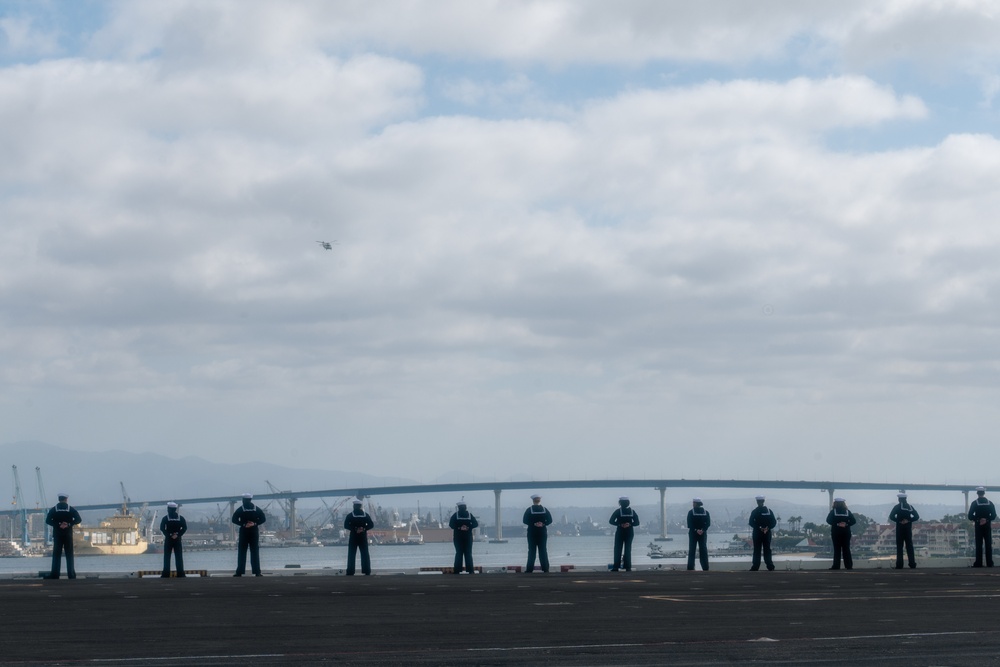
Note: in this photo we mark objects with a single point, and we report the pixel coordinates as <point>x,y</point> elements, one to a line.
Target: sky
<point>574,239</point>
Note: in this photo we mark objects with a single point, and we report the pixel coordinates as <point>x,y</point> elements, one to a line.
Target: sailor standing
<point>625,520</point>
<point>841,519</point>
<point>463,523</point>
<point>762,521</point>
<point>983,513</point>
<point>62,517</point>
<point>536,518</point>
<point>698,522</point>
<point>248,517</point>
<point>357,524</point>
<point>903,515</point>
<point>173,526</point>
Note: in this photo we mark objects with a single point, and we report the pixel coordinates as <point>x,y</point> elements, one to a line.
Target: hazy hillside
<point>95,477</point>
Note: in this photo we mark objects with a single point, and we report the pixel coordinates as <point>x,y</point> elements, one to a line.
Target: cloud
<point>696,263</point>
<point>21,37</point>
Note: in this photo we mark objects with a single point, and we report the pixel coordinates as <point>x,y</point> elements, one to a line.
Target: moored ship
<point>118,535</point>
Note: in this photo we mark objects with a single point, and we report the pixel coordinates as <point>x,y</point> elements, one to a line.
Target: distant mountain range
<point>96,477</point>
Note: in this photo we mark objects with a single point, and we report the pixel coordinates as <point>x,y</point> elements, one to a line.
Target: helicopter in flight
<point>327,245</point>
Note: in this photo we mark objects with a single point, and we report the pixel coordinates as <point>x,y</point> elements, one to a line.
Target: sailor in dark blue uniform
<point>762,522</point>
<point>463,523</point>
<point>248,517</point>
<point>841,519</point>
<point>698,522</point>
<point>357,524</point>
<point>903,515</point>
<point>62,518</point>
<point>536,518</point>
<point>983,513</point>
<point>625,520</point>
<point>173,526</point>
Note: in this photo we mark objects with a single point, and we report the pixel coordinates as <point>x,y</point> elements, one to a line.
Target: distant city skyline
<point>573,239</point>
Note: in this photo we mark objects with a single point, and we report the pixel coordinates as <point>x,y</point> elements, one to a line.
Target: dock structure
<point>661,485</point>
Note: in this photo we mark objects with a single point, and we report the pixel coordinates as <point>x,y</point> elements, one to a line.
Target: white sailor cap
<point>535,496</point>
<point>696,500</point>
<point>357,501</point>
<point>248,496</point>
<point>621,498</point>
<point>759,498</point>
<point>62,494</point>
<point>980,489</point>
<point>838,499</point>
<point>901,495</point>
<point>460,503</point>
<point>172,505</point>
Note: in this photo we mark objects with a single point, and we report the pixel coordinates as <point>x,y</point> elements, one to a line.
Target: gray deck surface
<point>866,617</point>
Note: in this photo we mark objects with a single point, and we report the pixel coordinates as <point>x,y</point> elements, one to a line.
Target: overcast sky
<point>575,239</point>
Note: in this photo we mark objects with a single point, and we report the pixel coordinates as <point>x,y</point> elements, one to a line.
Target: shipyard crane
<point>19,504</point>
<point>42,503</point>
<point>151,528</point>
<point>287,506</point>
<point>125,499</point>
<point>220,512</point>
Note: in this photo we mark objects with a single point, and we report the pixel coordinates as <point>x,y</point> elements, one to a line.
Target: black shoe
<point>977,565</point>
<point>913,566</point>
<point>835,568</point>
<point>181,576</point>
<point>164,576</point>
<point>770,569</point>
<point>238,574</point>
<point>258,575</point>
<point>754,569</point>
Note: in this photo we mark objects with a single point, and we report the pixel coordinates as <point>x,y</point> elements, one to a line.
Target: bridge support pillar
<point>663,512</point>
<point>291,518</point>
<point>498,539</point>
<point>966,494</point>
<point>830,492</point>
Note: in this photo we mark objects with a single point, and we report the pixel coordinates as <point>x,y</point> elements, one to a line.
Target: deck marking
<point>893,636</point>
<point>506,649</point>
<point>869,598</point>
<point>190,657</point>
<point>549,648</point>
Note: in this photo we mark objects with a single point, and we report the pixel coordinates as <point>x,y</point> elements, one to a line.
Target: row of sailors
<point>982,513</point>
<point>537,518</point>
<point>63,516</point>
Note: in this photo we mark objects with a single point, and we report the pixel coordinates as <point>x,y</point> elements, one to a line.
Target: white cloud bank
<point>689,280</point>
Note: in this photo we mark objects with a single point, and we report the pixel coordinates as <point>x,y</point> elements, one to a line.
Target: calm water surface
<point>589,551</point>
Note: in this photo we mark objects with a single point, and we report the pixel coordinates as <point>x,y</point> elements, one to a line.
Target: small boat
<point>656,551</point>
